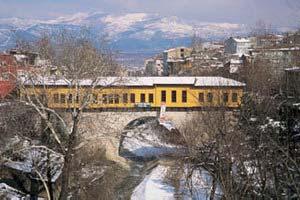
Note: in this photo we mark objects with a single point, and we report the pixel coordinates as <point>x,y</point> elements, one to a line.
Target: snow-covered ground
<point>146,138</point>
<point>7,192</point>
<point>155,186</point>
<point>146,141</point>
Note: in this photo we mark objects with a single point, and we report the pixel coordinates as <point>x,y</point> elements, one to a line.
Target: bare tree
<point>76,59</point>
<point>261,28</point>
<point>249,152</point>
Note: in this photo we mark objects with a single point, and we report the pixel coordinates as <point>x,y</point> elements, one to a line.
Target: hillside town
<point>213,113</point>
<point>227,57</point>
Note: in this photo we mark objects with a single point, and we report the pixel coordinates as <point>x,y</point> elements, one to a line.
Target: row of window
<point>106,98</point>
<point>174,96</point>
<point>126,98</point>
<point>210,97</point>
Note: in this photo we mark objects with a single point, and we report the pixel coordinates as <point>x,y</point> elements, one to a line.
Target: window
<point>77,99</point>
<point>174,96</point>
<point>104,98</point>
<point>95,98</point>
<point>182,53</point>
<point>132,98</point>
<point>184,96</point>
<point>234,97</point>
<point>210,97</point>
<point>56,98</point>
<point>125,98</point>
<point>70,98</point>
<point>62,98</point>
<point>151,98</point>
<point>117,99</point>
<point>163,96</point>
<point>143,98</point>
<point>225,97</point>
<point>201,97</point>
<point>110,99</point>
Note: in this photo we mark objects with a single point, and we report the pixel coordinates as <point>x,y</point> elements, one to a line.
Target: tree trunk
<point>68,160</point>
<point>49,177</point>
<point>213,189</point>
<point>34,189</point>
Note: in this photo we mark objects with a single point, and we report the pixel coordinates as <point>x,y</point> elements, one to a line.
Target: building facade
<point>176,58</point>
<point>238,46</point>
<point>139,92</point>
<point>154,67</point>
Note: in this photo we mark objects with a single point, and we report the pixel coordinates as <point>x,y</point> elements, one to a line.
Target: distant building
<point>10,71</point>
<point>27,58</point>
<point>292,39</point>
<point>235,66</point>
<point>176,59</point>
<point>154,67</point>
<point>292,76</point>
<point>268,40</point>
<point>238,45</point>
<point>135,71</point>
<point>8,75</point>
<point>279,58</point>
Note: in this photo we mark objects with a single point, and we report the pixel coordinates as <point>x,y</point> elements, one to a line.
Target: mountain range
<point>130,32</point>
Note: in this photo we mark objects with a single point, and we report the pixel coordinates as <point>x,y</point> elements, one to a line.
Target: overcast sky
<point>276,12</point>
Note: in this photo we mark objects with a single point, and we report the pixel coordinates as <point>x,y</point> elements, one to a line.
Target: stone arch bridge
<point>112,123</point>
<point>105,128</point>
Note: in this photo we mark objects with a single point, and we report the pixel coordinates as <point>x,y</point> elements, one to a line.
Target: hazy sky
<point>276,12</point>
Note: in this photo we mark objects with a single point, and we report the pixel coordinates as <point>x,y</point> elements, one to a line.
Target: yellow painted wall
<point>192,96</point>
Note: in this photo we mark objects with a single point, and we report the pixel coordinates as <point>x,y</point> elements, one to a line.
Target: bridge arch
<point>105,128</point>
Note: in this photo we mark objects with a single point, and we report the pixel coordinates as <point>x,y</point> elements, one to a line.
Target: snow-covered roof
<point>199,81</point>
<point>234,61</point>
<point>173,49</point>
<point>242,40</point>
<point>175,60</point>
<point>294,69</point>
<point>242,54</point>
<point>276,49</point>
<point>20,57</point>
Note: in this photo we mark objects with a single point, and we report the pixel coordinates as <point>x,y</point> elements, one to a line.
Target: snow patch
<point>153,186</point>
<point>146,144</point>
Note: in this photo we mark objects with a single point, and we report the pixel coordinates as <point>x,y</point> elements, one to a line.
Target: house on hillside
<point>292,76</point>
<point>279,58</point>
<point>268,40</point>
<point>292,39</point>
<point>27,58</point>
<point>154,67</point>
<point>8,74</point>
<point>235,66</point>
<point>176,59</point>
<point>10,71</point>
<point>238,45</point>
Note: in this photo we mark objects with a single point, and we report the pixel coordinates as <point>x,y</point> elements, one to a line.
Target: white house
<point>238,45</point>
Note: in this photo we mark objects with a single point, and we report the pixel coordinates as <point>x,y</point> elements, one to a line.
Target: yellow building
<point>138,92</point>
